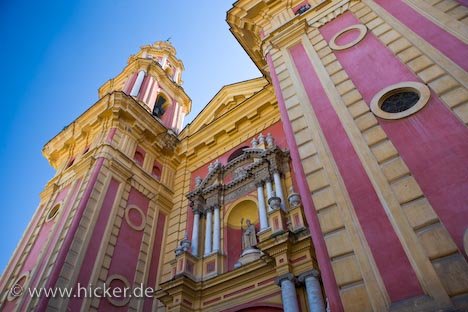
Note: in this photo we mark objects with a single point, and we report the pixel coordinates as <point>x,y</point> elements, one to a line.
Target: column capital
<point>259,183</point>
<point>286,276</point>
<point>277,170</point>
<point>312,273</point>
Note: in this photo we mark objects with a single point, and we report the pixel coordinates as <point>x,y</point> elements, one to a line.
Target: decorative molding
<point>409,86</point>
<point>362,29</point>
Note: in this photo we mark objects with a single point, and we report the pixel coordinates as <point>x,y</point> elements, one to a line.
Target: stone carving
<point>270,141</point>
<point>274,201</point>
<point>214,165</point>
<point>185,245</point>
<point>254,143</point>
<point>249,237</point>
<point>198,181</point>
<point>239,173</point>
<point>261,139</point>
<point>294,198</point>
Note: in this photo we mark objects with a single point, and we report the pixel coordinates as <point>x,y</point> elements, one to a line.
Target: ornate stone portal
<point>277,242</point>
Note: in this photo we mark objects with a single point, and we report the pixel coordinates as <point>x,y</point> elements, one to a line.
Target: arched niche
<point>236,216</point>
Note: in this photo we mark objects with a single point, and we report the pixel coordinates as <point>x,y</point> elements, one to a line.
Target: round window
<point>400,100</point>
<point>53,213</point>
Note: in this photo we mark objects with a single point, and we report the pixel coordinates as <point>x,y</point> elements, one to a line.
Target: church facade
<point>335,182</point>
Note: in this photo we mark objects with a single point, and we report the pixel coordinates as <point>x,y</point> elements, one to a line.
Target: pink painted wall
<point>62,254</point>
<point>129,84</point>
<point>155,258</point>
<point>38,247</point>
<point>433,142</point>
<point>110,135</point>
<point>448,44</point>
<point>143,87</point>
<point>399,278</point>
<point>95,242</point>
<point>326,271</point>
<point>20,250</point>
<point>54,237</point>
<point>127,249</point>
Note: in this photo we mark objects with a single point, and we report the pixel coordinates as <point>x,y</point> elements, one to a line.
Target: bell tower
<point>102,218</point>
<point>153,77</point>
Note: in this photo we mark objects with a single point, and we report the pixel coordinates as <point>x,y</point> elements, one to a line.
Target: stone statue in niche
<point>250,252</point>
<point>249,237</point>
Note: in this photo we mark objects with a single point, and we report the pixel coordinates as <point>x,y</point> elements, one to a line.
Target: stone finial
<point>198,181</point>
<point>261,139</point>
<point>270,141</point>
<point>216,164</point>
<point>254,143</point>
<point>274,202</point>
<point>294,198</point>
<point>210,167</point>
<point>185,245</point>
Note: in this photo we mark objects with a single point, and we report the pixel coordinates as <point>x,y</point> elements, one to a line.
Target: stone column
<point>262,207</point>
<point>314,291</point>
<point>269,188</point>
<point>288,292</point>
<point>195,231</point>
<point>279,188</point>
<point>209,221</point>
<point>137,85</point>
<point>216,230</point>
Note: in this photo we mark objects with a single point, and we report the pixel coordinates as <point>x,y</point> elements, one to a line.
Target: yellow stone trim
<point>375,289</point>
<point>443,61</point>
<point>362,33</point>
<point>413,249</point>
<point>438,17</point>
<point>421,89</point>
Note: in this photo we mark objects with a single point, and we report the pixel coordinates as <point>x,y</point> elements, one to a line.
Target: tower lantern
<point>153,77</point>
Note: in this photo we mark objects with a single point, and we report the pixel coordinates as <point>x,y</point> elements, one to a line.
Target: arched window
<point>156,172</point>
<point>160,106</point>
<point>139,156</point>
<point>236,153</point>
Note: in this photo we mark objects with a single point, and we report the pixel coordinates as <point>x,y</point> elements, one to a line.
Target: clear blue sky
<point>56,54</point>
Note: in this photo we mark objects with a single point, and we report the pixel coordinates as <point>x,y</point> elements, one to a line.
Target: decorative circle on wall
<point>124,300</point>
<point>17,288</point>
<point>334,45</point>
<point>53,212</point>
<point>132,223</point>
<point>400,100</point>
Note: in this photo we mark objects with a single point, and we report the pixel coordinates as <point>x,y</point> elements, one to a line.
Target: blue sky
<point>56,54</point>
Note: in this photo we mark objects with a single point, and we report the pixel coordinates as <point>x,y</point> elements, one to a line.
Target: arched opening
<point>236,221</point>
<point>236,153</point>
<point>160,106</point>
<point>139,156</point>
<point>156,172</point>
